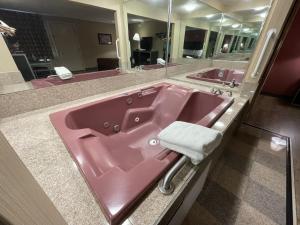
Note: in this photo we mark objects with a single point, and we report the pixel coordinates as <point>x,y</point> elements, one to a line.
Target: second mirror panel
<point>148,42</point>
<point>220,42</point>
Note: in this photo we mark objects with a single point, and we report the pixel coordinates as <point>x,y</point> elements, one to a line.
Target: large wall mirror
<point>61,42</point>
<point>58,42</point>
<point>219,34</point>
<point>147,34</point>
<point>239,34</point>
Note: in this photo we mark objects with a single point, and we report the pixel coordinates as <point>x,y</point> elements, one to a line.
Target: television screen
<point>146,43</point>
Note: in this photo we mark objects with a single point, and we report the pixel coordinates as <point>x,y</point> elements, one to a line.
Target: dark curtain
<point>31,34</point>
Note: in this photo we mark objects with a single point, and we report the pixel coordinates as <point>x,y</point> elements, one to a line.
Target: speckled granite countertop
<point>40,148</point>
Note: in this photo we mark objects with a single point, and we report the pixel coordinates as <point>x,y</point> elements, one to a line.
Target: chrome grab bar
<point>272,32</point>
<point>117,48</point>
<point>165,185</point>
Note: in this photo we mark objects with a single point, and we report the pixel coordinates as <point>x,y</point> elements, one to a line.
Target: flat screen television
<point>146,43</point>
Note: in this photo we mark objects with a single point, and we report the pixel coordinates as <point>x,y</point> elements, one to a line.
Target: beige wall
<point>87,34</point>
<point>275,19</point>
<point>89,44</point>
<point>178,35</point>
<point>148,29</point>
<point>7,63</point>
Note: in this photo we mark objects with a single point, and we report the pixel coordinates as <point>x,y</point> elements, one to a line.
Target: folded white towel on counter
<point>192,140</point>
<point>63,73</point>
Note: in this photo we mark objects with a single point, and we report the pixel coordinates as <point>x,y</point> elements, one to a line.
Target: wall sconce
<point>6,30</point>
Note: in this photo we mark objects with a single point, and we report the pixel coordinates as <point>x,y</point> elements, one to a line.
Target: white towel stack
<point>63,73</point>
<point>192,140</point>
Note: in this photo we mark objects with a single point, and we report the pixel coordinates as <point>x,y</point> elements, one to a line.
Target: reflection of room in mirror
<point>48,39</point>
<point>221,37</point>
<point>229,35</point>
<point>148,42</point>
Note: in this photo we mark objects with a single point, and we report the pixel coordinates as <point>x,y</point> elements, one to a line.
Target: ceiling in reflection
<point>253,11</point>
<point>60,8</point>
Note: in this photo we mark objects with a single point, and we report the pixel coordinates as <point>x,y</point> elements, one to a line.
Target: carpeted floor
<point>248,185</point>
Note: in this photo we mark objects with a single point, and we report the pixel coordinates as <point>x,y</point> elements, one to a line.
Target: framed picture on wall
<point>104,39</point>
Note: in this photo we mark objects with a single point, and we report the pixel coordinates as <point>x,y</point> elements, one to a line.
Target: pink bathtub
<point>52,81</point>
<point>114,141</point>
<point>220,76</point>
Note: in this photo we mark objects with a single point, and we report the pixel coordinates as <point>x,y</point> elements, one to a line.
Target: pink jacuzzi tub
<point>220,76</point>
<point>114,141</point>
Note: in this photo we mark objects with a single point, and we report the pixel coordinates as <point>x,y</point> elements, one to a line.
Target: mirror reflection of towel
<point>63,73</point>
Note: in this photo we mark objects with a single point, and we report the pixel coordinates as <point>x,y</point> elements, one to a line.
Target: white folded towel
<point>192,140</point>
<point>63,73</point>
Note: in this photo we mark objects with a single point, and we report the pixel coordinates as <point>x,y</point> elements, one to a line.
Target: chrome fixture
<point>229,93</point>
<point>137,119</point>
<point>146,91</point>
<point>216,91</point>
<point>141,67</point>
<point>116,128</point>
<point>271,33</point>
<point>165,185</point>
<point>106,125</point>
<point>129,101</point>
<point>117,48</point>
<point>233,83</point>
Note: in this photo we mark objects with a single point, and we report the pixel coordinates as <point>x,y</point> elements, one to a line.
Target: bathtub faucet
<point>146,91</point>
<point>233,83</point>
<point>216,91</point>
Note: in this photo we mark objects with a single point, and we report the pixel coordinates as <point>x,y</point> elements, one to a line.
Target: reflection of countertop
<point>55,80</point>
<point>42,151</point>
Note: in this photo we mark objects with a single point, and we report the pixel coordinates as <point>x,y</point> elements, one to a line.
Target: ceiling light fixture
<point>235,25</point>
<point>137,20</point>
<point>263,15</point>
<point>190,6</point>
<point>209,16</point>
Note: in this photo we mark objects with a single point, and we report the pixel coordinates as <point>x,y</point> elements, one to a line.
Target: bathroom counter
<point>42,151</point>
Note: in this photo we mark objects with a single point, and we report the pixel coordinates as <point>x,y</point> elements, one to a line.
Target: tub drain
<point>153,142</point>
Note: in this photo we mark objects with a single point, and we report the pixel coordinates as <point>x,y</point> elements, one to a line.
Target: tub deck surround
<point>220,76</point>
<point>38,145</point>
<point>93,132</point>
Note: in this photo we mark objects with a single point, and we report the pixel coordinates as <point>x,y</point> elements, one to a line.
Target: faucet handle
<point>229,93</point>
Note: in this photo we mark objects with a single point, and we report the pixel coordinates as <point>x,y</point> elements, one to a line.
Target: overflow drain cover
<point>153,142</point>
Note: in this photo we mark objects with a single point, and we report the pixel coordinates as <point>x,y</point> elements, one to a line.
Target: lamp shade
<point>136,37</point>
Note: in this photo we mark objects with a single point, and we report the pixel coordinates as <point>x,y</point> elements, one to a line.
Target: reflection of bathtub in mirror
<point>225,76</point>
<point>54,80</point>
